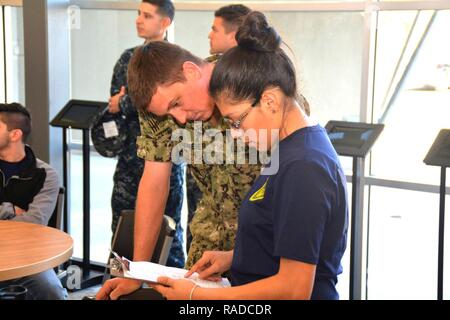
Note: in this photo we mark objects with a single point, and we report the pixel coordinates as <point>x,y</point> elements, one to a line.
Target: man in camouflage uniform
<point>227,21</point>
<point>168,84</point>
<point>223,186</point>
<point>122,144</point>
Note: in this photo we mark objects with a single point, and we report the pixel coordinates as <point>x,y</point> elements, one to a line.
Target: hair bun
<point>256,34</point>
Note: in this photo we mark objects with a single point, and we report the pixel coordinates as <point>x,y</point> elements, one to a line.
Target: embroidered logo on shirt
<point>259,195</point>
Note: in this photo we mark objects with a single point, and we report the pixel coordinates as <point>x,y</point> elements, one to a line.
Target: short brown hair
<point>165,7</point>
<point>154,64</point>
<point>233,16</point>
<point>16,116</point>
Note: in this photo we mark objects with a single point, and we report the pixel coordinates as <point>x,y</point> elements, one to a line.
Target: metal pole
<point>352,227</point>
<point>86,204</point>
<point>65,181</point>
<point>441,235</point>
<point>356,232</point>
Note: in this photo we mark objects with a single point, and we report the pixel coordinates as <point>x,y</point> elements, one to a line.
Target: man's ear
<point>232,38</point>
<point>16,135</point>
<point>191,71</point>
<point>165,22</point>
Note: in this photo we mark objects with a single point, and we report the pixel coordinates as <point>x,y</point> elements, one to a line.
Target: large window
<point>412,99</point>
<point>402,244</point>
<point>102,170</point>
<point>12,82</point>
<point>323,45</point>
<point>2,62</point>
<point>412,76</point>
<point>95,49</point>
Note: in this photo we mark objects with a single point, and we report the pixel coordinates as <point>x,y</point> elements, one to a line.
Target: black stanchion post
<point>354,139</point>
<point>79,114</point>
<point>441,235</point>
<point>65,181</point>
<point>355,219</point>
<point>86,205</point>
<point>439,155</point>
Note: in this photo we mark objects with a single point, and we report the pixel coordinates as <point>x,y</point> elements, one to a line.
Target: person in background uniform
<point>227,21</point>
<point>292,229</point>
<point>169,86</point>
<point>114,133</point>
<point>28,193</point>
<point>221,38</point>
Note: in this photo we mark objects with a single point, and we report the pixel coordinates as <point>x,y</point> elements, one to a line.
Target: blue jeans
<point>40,286</point>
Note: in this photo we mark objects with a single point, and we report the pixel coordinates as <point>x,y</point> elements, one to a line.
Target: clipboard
<point>149,272</point>
<point>119,266</point>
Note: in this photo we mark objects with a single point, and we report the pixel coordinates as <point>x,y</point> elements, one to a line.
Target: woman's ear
<point>191,71</point>
<point>271,101</point>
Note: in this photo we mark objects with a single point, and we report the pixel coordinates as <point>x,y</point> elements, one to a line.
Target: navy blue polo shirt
<point>299,213</point>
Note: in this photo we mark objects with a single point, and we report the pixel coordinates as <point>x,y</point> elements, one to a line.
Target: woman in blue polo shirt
<point>292,227</point>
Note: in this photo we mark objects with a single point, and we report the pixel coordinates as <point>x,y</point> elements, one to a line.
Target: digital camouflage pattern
<point>223,186</point>
<point>193,196</point>
<point>129,167</point>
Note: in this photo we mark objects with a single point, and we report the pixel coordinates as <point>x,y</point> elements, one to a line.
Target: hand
<point>18,211</point>
<point>114,101</point>
<point>211,264</point>
<point>173,289</point>
<point>114,288</point>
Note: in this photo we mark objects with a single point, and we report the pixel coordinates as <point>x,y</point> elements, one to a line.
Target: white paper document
<point>110,129</point>
<point>149,271</point>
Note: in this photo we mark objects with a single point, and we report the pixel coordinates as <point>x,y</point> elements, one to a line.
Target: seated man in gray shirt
<point>28,192</point>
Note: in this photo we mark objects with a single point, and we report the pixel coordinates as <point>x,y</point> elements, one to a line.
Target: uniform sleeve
<point>119,79</point>
<point>154,143</point>
<point>303,197</point>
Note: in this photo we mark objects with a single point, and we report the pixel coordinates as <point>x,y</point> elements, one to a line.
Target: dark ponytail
<point>256,34</point>
<point>257,63</point>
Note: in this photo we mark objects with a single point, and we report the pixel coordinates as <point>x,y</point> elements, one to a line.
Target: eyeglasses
<point>237,124</point>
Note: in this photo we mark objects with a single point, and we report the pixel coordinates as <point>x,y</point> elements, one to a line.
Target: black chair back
<point>123,238</point>
<point>56,220</point>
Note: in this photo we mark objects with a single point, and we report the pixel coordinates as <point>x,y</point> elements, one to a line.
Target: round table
<point>28,248</point>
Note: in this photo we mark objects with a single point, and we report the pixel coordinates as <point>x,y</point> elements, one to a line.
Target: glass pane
<point>2,63</point>
<point>191,29</point>
<point>231,2</point>
<point>14,55</point>
<point>323,45</point>
<point>326,45</point>
<point>91,72</point>
<point>102,170</point>
<point>400,0</point>
<point>95,49</point>
<point>403,243</point>
<point>411,92</point>
<point>119,0</point>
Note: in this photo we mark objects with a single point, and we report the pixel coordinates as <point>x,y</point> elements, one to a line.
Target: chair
<point>123,241</point>
<point>123,244</point>
<point>56,220</point>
